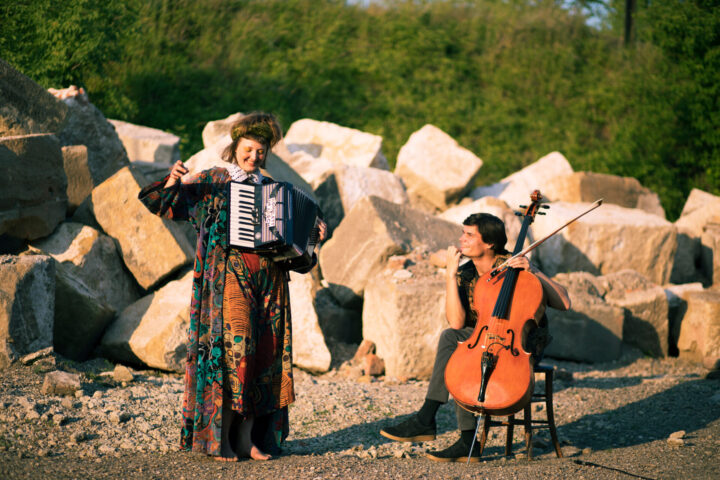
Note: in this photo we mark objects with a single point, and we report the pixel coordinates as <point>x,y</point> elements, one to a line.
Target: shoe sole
<point>456,459</point>
<point>416,438</point>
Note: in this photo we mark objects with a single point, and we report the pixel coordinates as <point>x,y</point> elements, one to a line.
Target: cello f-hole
<point>478,338</point>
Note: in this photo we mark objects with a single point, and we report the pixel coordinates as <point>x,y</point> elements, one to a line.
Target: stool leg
<point>509,439</point>
<point>550,414</point>
<point>527,420</point>
<point>486,429</point>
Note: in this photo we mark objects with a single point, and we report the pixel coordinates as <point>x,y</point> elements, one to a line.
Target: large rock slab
<point>147,144</point>
<point>340,145</point>
<point>86,125</point>
<point>372,231</point>
<point>700,208</point>
<point>404,315</point>
<point>646,307</point>
<point>435,168</point>
<point>700,332</point>
<point>153,330</point>
<point>337,323</point>
<point>27,305</point>
<point>26,107</point>
<point>710,252</point>
<point>94,259</point>
<point>309,349</point>
<point>589,186</point>
<point>592,330</point>
<point>152,248</point>
<point>515,189</point>
<point>493,206</point>
<point>33,184</point>
<point>608,239</point>
<point>216,133</point>
<point>677,308</point>
<point>355,183</point>
<point>313,170</point>
<point>80,316</point>
<point>77,169</point>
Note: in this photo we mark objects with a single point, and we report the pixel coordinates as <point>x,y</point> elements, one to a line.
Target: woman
<point>238,379</point>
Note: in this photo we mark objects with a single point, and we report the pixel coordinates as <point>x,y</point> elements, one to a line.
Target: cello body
<point>491,373</point>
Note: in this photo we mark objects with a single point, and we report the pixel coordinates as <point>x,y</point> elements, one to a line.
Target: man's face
<point>472,244</point>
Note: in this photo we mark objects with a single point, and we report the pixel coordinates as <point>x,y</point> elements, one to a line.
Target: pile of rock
<point>91,272</point>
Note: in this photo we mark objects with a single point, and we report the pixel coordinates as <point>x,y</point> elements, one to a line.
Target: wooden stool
<point>527,420</point>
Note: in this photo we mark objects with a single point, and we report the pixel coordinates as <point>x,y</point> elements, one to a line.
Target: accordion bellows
<point>275,219</point>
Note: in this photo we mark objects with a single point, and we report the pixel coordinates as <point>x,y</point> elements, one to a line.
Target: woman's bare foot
<point>245,446</point>
<point>257,454</point>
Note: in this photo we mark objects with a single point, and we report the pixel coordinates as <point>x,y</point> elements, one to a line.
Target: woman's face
<point>249,154</point>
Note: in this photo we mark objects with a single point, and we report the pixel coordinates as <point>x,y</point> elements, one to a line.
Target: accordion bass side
<point>275,219</point>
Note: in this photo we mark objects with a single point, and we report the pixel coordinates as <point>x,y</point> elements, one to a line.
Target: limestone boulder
<point>310,352</point>
<point>80,316</point>
<point>147,144</point>
<point>515,189</point>
<point>355,183</point>
<point>94,259</point>
<point>592,330</point>
<point>608,239</point>
<point>27,305</point>
<point>25,107</point>
<point>710,252</point>
<point>217,132</point>
<point>700,208</point>
<point>340,145</point>
<point>87,126</point>
<point>313,170</point>
<point>80,182</point>
<point>677,308</point>
<point>403,314</point>
<point>646,308</point>
<point>153,330</point>
<point>152,248</point>
<point>374,230</point>
<point>700,331</point>
<point>60,383</point>
<point>493,206</point>
<point>152,172</point>
<point>587,187</point>
<point>434,167</point>
<point>33,186</point>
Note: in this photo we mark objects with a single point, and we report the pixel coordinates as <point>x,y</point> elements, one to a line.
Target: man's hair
<point>492,230</point>
<point>258,126</point>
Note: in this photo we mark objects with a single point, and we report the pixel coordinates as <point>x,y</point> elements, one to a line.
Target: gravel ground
<point>635,418</point>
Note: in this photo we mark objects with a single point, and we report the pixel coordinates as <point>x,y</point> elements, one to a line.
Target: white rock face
<point>153,330</point>
<point>148,144</point>
<point>700,331</point>
<point>27,305</point>
<point>404,318</point>
<point>151,247</point>
<point>606,240</point>
<point>515,189</point>
<point>340,145</point>
<point>355,183</point>
<point>309,349</point>
<point>435,168</point>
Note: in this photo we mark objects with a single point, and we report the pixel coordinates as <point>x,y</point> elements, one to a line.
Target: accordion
<point>275,219</point>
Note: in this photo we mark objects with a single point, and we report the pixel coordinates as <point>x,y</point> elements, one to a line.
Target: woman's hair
<point>492,230</point>
<point>259,126</point>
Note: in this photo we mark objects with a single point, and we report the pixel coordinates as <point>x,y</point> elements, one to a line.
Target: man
<point>483,243</point>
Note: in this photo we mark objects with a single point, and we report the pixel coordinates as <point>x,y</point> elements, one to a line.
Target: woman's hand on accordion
<point>322,230</point>
<point>177,171</point>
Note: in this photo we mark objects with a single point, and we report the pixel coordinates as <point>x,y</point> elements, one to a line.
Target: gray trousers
<point>436,389</point>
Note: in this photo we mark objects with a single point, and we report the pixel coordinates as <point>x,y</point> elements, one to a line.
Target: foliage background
<point>511,80</point>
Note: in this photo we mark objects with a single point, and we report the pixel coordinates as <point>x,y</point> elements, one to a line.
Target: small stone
<point>397,262</point>
<point>32,415</point>
<point>78,437</point>
<point>58,419</point>
<point>118,418</point>
<point>402,274</point>
<point>364,379</point>
<point>373,365</point>
<point>60,383</point>
<point>587,451</point>
<point>67,402</point>
<point>366,347</point>
<point>32,357</point>
<point>676,442</point>
<point>97,394</point>
<point>678,434</point>
<point>122,374</point>
<point>79,394</point>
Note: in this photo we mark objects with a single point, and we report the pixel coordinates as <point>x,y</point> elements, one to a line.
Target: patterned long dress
<point>239,339</point>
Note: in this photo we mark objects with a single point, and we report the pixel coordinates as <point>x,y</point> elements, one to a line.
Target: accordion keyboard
<point>243,215</point>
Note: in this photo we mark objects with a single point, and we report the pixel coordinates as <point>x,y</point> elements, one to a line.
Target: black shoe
<point>411,430</point>
<point>457,452</point>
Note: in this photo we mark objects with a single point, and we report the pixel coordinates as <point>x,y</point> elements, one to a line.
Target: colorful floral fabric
<point>245,353</point>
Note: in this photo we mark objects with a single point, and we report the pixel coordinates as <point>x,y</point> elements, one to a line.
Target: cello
<point>491,373</point>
